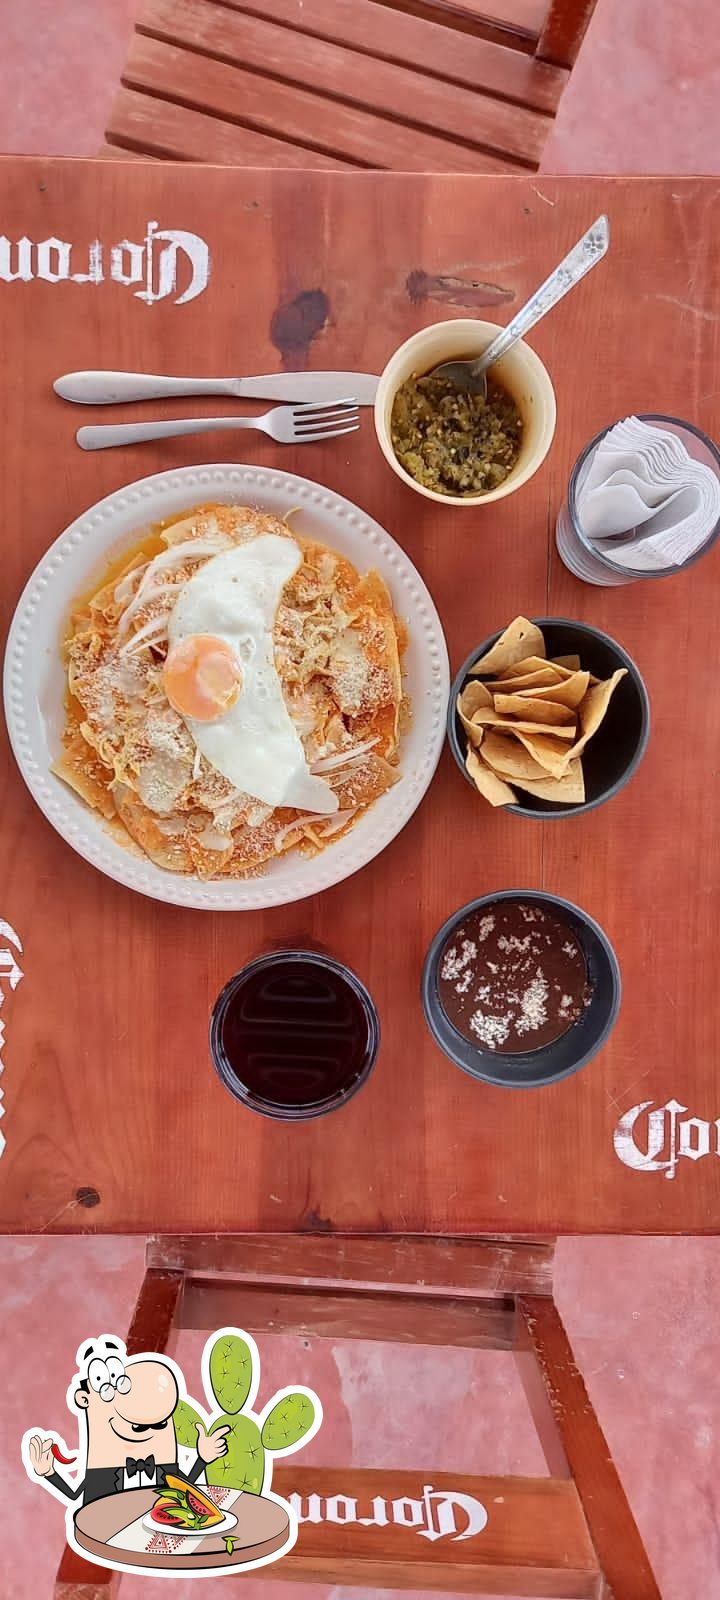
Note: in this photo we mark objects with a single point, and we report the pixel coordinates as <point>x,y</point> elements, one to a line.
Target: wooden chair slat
<point>174,133</point>
<point>426,45</point>
<point>294,119</point>
<point>111,152</point>
<point>80,1580</point>
<point>513,22</point>
<point>564,30</point>
<point>538,1401</point>
<point>536,1541</point>
<point>156,1311</point>
<point>413,1263</point>
<point>475,120</point>
<point>525,15</point>
<point>398,1319</point>
<point>613,1528</point>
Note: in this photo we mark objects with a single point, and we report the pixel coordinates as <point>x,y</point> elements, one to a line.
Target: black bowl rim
<point>269,1108</point>
<point>487,1076</point>
<point>554,813</point>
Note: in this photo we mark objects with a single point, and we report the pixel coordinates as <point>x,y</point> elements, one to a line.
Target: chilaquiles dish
<point>234,691</point>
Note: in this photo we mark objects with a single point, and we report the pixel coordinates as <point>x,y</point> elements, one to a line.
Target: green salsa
<point>452,442</point>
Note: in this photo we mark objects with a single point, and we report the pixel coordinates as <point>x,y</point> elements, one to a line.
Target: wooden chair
<point>571,1534</point>
<point>404,85</point>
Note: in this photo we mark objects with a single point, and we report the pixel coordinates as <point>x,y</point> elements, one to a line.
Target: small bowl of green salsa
<point>459,448</point>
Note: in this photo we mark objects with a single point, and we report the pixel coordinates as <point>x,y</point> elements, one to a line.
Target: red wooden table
<point>114,1119</point>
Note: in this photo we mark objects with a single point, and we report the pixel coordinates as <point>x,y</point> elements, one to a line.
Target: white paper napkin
<point>644,501</point>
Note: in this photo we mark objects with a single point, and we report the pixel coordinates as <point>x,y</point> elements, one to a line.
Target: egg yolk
<point>202,677</point>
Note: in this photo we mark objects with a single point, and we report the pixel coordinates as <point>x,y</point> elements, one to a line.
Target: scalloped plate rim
<point>100,530</point>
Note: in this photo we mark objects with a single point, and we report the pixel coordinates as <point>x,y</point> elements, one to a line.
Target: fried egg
<point>220,674</point>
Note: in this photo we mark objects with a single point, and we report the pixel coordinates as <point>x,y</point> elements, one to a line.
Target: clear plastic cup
<point>583,558</point>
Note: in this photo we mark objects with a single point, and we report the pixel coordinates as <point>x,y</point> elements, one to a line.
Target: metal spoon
<point>470,375</point>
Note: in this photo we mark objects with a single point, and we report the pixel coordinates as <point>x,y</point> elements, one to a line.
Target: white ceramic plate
<point>34,676</point>
<point>228,1522</point>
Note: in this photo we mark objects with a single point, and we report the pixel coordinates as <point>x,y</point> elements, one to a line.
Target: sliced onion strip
<point>193,549</point>
<point>337,822</point>
<point>150,633</point>
<point>300,822</point>
<point>124,588</point>
<point>342,759</point>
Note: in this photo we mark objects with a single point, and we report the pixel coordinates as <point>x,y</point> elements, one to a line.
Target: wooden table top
<point>114,1119</point>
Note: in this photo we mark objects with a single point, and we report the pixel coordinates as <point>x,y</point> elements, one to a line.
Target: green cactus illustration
<point>186,1418</point>
<point>288,1421</point>
<point>231,1372</point>
<point>244,1465</point>
<point>231,1376</point>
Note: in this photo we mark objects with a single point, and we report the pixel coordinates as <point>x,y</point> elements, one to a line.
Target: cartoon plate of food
<point>186,1509</point>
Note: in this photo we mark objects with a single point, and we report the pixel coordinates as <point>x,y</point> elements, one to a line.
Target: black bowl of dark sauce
<point>526,1066</point>
<point>294,1035</point>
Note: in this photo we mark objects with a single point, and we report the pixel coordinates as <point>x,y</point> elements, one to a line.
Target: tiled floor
<point>642,1313</point>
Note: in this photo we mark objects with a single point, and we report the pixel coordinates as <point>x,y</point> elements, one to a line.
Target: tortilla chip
<point>544,677</point>
<point>535,664</point>
<point>567,791</point>
<point>473,696</point>
<point>473,730</point>
<point>548,752</point>
<point>504,724</point>
<point>548,711</point>
<point>568,693</point>
<point>80,768</point>
<point>510,759</point>
<point>592,710</point>
<point>519,639</point>
<point>492,787</point>
<point>572,663</point>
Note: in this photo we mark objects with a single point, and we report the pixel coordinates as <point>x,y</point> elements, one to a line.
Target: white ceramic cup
<point>521,372</point>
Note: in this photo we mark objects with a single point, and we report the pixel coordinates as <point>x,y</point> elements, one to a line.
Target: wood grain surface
<point>410,41</point>
<point>465,1268</point>
<point>396,86</point>
<point>114,1119</point>
<point>564,30</point>
<point>614,1532</point>
<point>535,1542</point>
<point>456,113</point>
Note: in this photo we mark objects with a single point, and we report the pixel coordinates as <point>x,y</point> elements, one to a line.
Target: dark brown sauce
<point>294,1035</point>
<point>512,978</point>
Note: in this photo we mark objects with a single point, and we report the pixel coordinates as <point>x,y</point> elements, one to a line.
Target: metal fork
<point>301,424</point>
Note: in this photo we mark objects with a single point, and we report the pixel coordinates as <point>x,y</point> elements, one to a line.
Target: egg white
<point>254,743</point>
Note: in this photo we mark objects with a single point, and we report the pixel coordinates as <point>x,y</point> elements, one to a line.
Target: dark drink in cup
<point>294,1035</point>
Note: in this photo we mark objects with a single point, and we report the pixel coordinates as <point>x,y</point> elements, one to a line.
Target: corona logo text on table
<point>433,1517</point>
<point>656,1142</point>
<point>153,262</point>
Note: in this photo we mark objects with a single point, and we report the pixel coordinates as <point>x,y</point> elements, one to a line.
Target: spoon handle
<point>591,248</point>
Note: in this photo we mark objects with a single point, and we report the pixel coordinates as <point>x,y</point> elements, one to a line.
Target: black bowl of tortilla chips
<point>548,718</point>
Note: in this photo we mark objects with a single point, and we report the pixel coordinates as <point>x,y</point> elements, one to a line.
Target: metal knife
<point>113,388</point>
